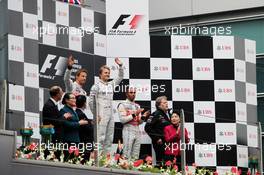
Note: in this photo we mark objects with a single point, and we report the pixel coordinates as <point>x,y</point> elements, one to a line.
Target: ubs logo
<point>161,68</point>
<point>16,48</point>
<point>226,133</point>
<point>183,90</point>
<point>223,48</point>
<point>208,112</point>
<point>31,75</point>
<point>100,44</point>
<point>206,155</point>
<point>225,90</point>
<point>61,13</point>
<point>203,69</point>
<point>30,26</point>
<point>17,97</point>
<point>181,47</point>
<point>73,38</point>
<point>87,19</point>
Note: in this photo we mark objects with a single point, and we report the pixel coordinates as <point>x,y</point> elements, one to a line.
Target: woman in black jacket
<point>85,131</point>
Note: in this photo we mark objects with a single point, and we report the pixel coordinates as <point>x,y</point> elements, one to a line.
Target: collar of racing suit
<point>104,82</point>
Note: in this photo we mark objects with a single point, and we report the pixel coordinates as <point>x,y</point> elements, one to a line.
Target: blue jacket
<point>70,126</point>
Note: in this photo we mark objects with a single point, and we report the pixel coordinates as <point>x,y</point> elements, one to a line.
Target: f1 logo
<point>134,22</point>
<point>61,63</point>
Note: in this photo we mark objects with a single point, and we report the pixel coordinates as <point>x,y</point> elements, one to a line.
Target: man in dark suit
<point>155,126</point>
<point>50,112</point>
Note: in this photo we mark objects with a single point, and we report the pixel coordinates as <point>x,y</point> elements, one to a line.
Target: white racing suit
<point>131,132</point>
<point>74,87</point>
<point>71,86</point>
<point>102,93</point>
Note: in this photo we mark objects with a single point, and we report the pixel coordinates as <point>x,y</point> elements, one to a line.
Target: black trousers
<point>159,150</point>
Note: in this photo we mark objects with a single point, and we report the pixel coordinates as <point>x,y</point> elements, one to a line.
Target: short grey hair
<point>55,90</point>
<point>158,101</point>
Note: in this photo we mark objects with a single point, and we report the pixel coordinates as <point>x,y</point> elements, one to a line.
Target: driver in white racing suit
<point>102,92</point>
<point>130,116</point>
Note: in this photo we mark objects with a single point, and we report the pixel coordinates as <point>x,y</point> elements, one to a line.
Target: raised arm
<point>67,75</point>
<point>120,76</point>
<point>93,95</point>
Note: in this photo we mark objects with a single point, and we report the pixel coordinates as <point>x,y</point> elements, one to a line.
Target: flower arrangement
<point>117,161</point>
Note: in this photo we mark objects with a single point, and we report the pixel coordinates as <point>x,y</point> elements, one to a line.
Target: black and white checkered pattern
<point>212,78</point>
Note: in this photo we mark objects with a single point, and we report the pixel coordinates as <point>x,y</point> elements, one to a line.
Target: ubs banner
<point>53,63</point>
<point>127,28</point>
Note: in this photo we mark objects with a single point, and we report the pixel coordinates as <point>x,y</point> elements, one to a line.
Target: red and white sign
<point>75,39</point>
<point>203,69</point>
<point>223,47</point>
<point>16,97</point>
<point>31,75</point>
<point>62,13</point>
<point>205,155</point>
<point>30,26</point>
<point>100,44</point>
<point>182,90</point>
<point>224,90</point>
<point>181,46</point>
<point>160,68</point>
<point>127,28</point>
<point>49,31</point>
<point>87,20</point>
<point>225,133</point>
<point>204,112</point>
<point>15,48</point>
